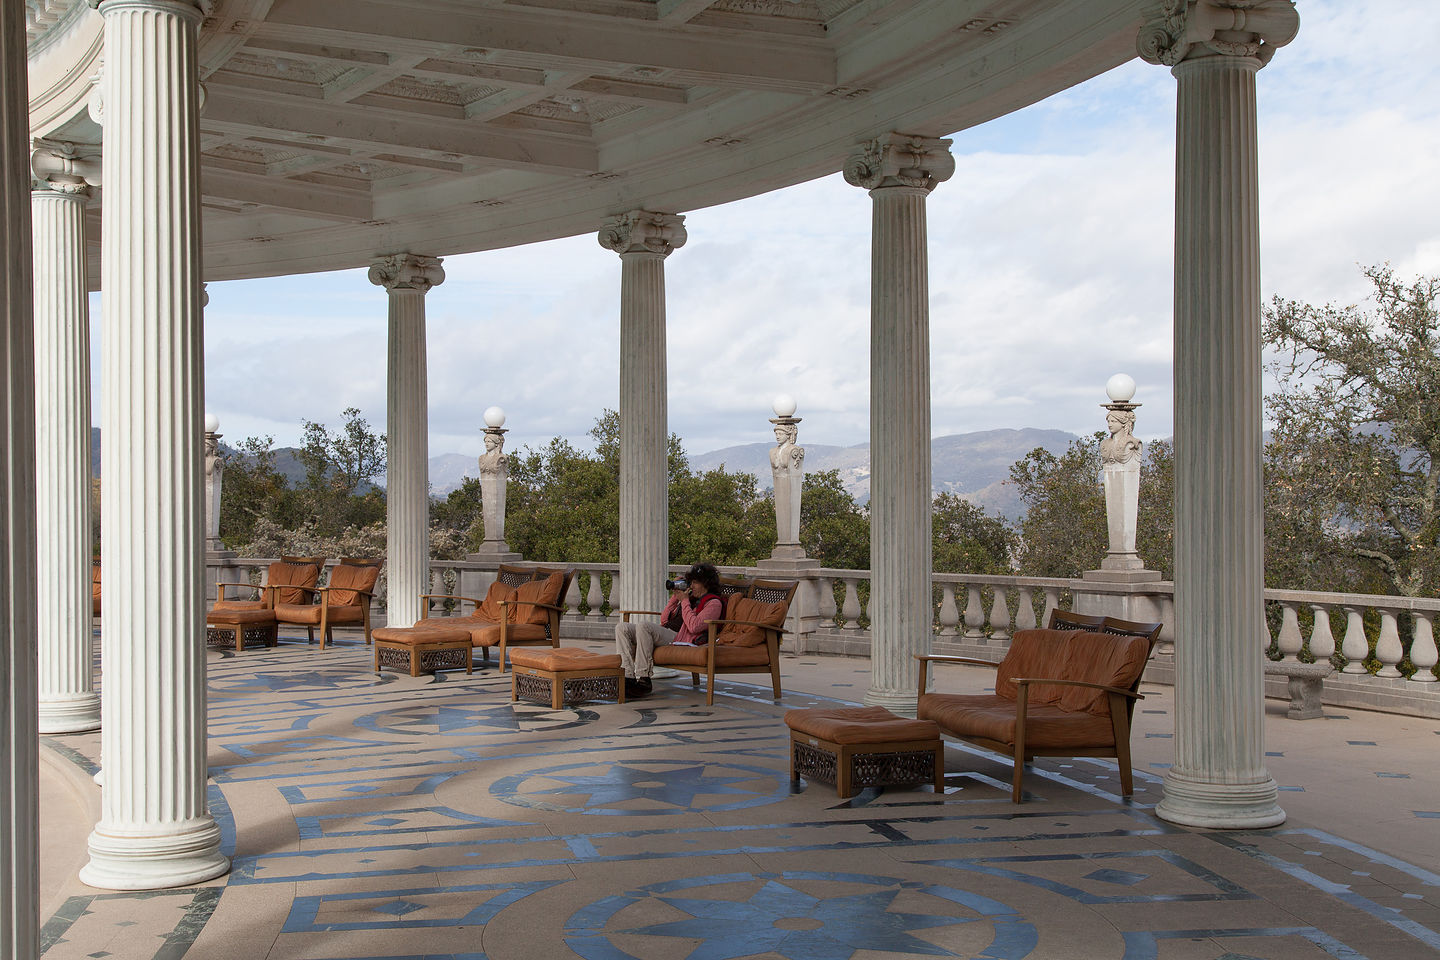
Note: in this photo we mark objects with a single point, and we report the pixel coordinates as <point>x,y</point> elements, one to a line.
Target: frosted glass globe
<point>494,417</point>
<point>783,405</point>
<point>1120,387</point>
<point>212,423</point>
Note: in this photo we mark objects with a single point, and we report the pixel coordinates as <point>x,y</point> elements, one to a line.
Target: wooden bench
<point>854,747</point>
<point>561,676</point>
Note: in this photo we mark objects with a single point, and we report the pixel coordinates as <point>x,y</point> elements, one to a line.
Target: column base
<point>800,566</point>
<point>77,713</point>
<point>1190,802</point>
<point>495,551</point>
<point>901,703</point>
<point>154,861</point>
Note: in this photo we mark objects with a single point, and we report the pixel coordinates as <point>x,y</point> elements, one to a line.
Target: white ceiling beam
<point>370,126</point>
<point>329,203</point>
<point>756,60</point>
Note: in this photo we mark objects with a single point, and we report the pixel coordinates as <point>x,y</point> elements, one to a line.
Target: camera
<point>679,583</point>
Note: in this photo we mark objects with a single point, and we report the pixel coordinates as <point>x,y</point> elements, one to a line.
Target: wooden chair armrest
<point>625,614</point>
<point>749,623</point>
<point>946,658</point>
<point>562,607</point>
<point>1027,681</point>
<point>252,586</point>
<point>426,598</point>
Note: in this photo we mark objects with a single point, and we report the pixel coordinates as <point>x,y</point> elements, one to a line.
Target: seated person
<point>687,614</point>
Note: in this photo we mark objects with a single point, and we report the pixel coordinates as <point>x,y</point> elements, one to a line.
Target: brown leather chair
<point>1058,692</point>
<point>522,608</point>
<point>344,600</point>
<point>287,580</point>
<point>746,640</point>
<point>95,589</point>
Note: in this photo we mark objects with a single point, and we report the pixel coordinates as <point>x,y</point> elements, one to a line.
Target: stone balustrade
<point>1383,647</point>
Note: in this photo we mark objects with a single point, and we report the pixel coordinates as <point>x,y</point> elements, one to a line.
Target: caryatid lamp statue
<point>494,477</point>
<point>1120,453</point>
<point>787,468</point>
<point>214,479</point>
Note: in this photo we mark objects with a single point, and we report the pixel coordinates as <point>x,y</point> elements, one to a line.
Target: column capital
<point>641,231</point>
<point>196,9</point>
<point>407,271</point>
<point>65,168</point>
<point>900,160</point>
<point>1181,30</point>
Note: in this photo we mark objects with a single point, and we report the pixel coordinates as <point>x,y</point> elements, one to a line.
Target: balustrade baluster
<point>594,597</point>
<point>949,613</point>
<point>1388,649</point>
<point>1422,650</point>
<point>572,598</point>
<point>1000,616</point>
<point>1322,641</point>
<point>827,602</point>
<point>613,597</point>
<point>1052,603</point>
<point>974,614</point>
<point>1165,646</point>
<point>1025,610</point>
<point>851,610</point>
<point>1290,640</point>
<point>1354,647</point>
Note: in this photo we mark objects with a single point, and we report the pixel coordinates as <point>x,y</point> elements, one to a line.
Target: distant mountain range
<point>972,465</point>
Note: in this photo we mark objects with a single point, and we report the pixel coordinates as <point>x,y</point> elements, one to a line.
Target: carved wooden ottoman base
<point>562,676</point>
<point>235,628</point>
<point>854,747</point>
<point>418,656</point>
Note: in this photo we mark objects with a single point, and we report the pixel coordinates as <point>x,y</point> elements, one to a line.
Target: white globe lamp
<point>1121,388</point>
<point>212,423</point>
<point>494,417</point>
<point>783,405</point>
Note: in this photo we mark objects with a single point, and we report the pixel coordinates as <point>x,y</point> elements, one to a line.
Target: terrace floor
<point>400,818</point>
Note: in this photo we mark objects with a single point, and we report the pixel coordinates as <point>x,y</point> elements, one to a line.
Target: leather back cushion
<point>1072,655</point>
<point>292,575</point>
<point>537,591</point>
<point>347,581</point>
<point>491,610</point>
<point>739,607</point>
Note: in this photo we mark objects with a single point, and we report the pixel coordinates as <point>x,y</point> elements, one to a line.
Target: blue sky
<point>1050,266</point>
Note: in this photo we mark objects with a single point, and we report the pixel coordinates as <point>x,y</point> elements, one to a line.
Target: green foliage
<point>1064,531</point>
<point>834,529</point>
<point>967,540</point>
<point>1355,456</point>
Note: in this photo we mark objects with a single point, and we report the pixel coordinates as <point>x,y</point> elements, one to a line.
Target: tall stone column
<point>407,278</point>
<point>154,829</point>
<point>643,240</point>
<point>899,171</point>
<point>1219,777</point>
<point>68,701</point>
<point>19,773</point>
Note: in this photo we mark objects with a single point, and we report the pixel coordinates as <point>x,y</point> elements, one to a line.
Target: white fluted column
<point>154,829</point>
<point>899,171</point>
<point>1219,777</point>
<point>407,278</point>
<point>68,701</point>
<point>19,773</point>
<point>643,240</point>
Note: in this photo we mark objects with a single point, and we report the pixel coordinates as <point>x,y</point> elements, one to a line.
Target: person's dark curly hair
<point>706,574</point>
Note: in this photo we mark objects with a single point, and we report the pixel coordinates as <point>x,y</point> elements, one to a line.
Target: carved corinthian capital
<point>641,231</point>
<point>65,167</point>
<point>407,271</point>
<point>1186,29</point>
<point>898,160</point>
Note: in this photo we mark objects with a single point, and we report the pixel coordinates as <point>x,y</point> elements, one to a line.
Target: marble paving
<point>374,817</point>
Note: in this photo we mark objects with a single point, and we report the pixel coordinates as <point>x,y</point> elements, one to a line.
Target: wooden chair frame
<point>321,596</point>
<point>1121,703</point>
<point>512,575</point>
<point>772,639</point>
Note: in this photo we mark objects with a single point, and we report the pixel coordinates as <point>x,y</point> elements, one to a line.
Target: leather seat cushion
<point>681,655</point>
<point>308,614</point>
<point>743,608</point>
<point>563,658</point>
<point>993,717</point>
<point>488,636</point>
<point>227,616</point>
<point>426,631</point>
<point>239,605</point>
<point>859,725</point>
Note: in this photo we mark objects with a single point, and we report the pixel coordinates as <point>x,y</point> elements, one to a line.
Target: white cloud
<point>1050,269</point>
